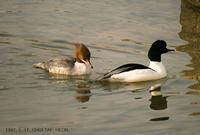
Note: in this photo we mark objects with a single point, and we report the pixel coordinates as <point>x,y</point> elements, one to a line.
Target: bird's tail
<point>39,65</point>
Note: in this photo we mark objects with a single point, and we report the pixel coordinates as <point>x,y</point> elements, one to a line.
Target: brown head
<point>82,54</point>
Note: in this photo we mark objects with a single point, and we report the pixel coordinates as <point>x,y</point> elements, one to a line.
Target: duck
<point>79,65</point>
<point>133,72</point>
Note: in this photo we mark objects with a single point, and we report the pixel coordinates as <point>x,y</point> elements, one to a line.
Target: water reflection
<point>80,84</point>
<point>83,84</point>
<point>83,89</point>
<point>189,19</point>
<point>160,119</point>
<point>158,101</point>
<point>121,86</point>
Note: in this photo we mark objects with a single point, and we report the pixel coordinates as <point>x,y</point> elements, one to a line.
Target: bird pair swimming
<point>131,72</point>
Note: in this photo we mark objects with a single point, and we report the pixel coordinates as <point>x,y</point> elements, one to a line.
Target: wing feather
<point>56,63</point>
<point>125,68</point>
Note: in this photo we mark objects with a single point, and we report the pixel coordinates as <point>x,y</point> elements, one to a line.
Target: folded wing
<point>55,63</point>
<point>124,68</point>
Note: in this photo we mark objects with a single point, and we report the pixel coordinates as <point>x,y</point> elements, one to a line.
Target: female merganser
<point>79,65</point>
<point>136,72</point>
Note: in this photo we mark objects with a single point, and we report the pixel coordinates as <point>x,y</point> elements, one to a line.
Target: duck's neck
<point>81,68</point>
<point>158,67</point>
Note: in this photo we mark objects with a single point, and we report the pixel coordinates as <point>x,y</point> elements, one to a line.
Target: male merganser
<point>79,65</point>
<point>136,72</point>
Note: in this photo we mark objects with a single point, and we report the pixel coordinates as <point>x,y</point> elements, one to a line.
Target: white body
<point>139,75</point>
<point>77,69</point>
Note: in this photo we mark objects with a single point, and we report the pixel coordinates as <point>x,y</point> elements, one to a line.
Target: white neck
<point>158,67</point>
<point>81,68</point>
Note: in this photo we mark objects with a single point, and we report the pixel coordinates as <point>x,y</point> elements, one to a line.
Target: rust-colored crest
<point>82,53</point>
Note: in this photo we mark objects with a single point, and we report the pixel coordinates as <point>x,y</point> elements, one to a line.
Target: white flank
<point>78,69</point>
<point>139,75</point>
<point>60,70</point>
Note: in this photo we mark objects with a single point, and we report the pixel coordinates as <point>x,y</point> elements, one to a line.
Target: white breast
<point>139,75</point>
<point>158,67</point>
<point>81,69</point>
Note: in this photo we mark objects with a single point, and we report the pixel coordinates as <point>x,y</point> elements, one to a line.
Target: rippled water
<point>116,32</point>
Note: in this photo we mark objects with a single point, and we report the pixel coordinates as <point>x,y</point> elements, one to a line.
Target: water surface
<point>116,32</point>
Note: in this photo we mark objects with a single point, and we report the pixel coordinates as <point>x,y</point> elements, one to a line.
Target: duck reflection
<point>190,22</point>
<point>122,86</point>
<point>83,89</point>
<point>80,84</point>
<point>158,101</point>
